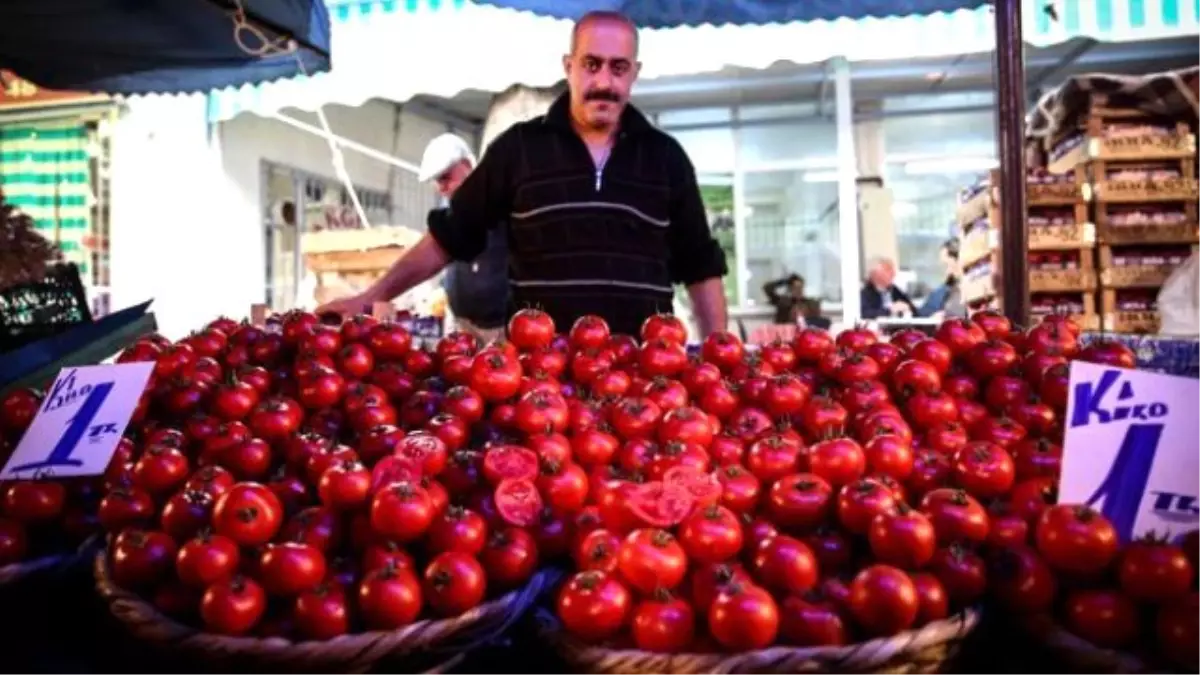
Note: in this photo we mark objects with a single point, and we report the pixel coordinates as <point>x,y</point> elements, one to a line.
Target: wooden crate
<point>1092,139</point>
<point>1124,321</point>
<point>1130,276</point>
<point>1086,317</point>
<point>1080,279</point>
<point>1080,234</point>
<point>1109,188</point>
<point>1110,228</point>
<point>1038,192</point>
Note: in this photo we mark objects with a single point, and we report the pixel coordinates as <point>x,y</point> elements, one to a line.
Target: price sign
<point>80,422</point>
<point>1131,448</point>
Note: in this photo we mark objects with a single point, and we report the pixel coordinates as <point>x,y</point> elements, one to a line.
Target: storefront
<point>55,150</point>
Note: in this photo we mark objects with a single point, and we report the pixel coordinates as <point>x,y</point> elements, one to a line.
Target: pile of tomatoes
<point>308,480</point>
<point>42,517</point>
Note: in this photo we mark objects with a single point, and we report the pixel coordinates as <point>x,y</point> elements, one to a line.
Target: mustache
<point>602,95</point>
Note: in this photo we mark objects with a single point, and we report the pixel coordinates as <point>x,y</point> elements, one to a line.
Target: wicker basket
<point>1077,655</point>
<point>50,567</point>
<point>425,646</point>
<point>925,650</point>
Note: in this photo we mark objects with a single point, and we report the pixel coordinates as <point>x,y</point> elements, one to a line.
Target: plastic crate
<point>33,311</point>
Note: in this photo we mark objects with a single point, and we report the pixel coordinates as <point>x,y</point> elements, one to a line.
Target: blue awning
<point>672,13</point>
<point>159,46</point>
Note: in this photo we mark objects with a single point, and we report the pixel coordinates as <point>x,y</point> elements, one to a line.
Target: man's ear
<point>567,64</point>
<point>637,69</point>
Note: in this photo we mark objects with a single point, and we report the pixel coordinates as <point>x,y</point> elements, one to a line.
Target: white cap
<point>441,154</point>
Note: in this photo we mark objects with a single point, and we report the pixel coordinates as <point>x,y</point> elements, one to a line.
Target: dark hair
<point>950,246</point>
<point>793,278</point>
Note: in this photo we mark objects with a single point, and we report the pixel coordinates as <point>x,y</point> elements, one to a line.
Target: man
<point>478,290</point>
<point>945,300</point>
<point>791,306</point>
<point>602,209</point>
<point>880,297</point>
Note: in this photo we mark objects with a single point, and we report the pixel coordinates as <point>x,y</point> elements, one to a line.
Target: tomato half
<point>518,501</point>
<point>661,505</point>
<point>704,487</point>
<point>510,462</point>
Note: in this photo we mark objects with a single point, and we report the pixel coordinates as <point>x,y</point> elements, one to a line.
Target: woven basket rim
<point>495,614</point>
<point>1048,632</point>
<point>944,631</point>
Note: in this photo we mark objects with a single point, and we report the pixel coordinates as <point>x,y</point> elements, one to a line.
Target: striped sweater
<point>584,240</point>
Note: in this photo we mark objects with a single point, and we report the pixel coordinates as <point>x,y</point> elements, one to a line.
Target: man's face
<point>449,180</point>
<point>797,288</point>
<point>882,275</point>
<point>601,72</point>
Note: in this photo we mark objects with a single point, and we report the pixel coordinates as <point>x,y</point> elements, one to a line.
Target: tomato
<point>565,487</point>
<point>984,470</point>
<point>810,622</point>
<point>1007,528</point>
<point>598,551</point>
<point>914,375</point>
<point>316,526</point>
<point>510,557</point>
<point>380,555</point>
<point>786,395</point>
<point>248,513</point>
<point>932,602</point>
<point>125,507</point>
<point>509,462</point>
<point>840,461</point>
<point>1020,581</point>
<point>956,516</point>
<point>389,597</point>
<point>1001,431</point>
<point>454,583</point>
<point>960,335</point>
<point>883,600</point>
<point>800,501</point>
<point>593,605</point>
<point>531,329</point>
<point>961,571</point>
<point>14,543</point>
<point>663,624</point>
<point>1153,571</point>
<point>1033,458</point>
<point>233,606</point>
<point>659,505</point>
<point>636,418</point>
<point>402,511</point>
<point>518,502</point>
<point>712,534</point>
<point>773,457</point>
<point>186,513</point>
<point>321,613</point>
<point>275,420</point>
<point>686,424</point>
<point>931,470</point>
<point>345,486</point>
<point>650,558</point>
<point>785,564</point>
<point>740,489</point>
<point>495,375</point>
<point>290,568</point>
<point>1030,497</point>
<point>1107,619</point>
<point>1176,631</point>
<point>426,450</point>
<point>1109,352</point>
<point>723,349</point>
<point>457,529</point>
<point>902,537</point>
<point>141,558</point>
<point>699,376</point>
<point>743,617</point>
<point>859,503</point>
<point>31,501</point>
<point>664,327</point>
<point>1076,539</point>
<point>704,487</point>
<point>890,455</point>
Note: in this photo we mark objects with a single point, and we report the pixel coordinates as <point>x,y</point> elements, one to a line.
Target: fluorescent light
<point>950,165</point>
<point>820,176</point>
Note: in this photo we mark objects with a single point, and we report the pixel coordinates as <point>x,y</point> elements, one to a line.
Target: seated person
<point>945,300</point>
<point>880,297</point>
<point>787,297</point>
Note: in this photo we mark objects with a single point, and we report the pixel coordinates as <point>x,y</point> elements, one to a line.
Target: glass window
<point>961,134</point>
<point>791,224</point>
<point>711,150</point>
<point>806,144</point>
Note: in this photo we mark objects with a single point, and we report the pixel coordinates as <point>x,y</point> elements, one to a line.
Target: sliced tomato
<point>518,502</point>
<point>704,487</point>
<point>394,469</point>
<point>509,462</point>
<point>661,505</point>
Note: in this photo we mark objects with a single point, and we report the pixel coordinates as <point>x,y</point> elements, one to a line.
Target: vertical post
<point>847,166</point>
<point>740,260</point>
<point>1010,123</point>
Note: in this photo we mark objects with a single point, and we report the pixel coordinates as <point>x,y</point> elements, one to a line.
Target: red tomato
<point>800,501</point>
<point>1020,581</point>
<point>457,529</point>
<point>186,513</point>
<point>807,623</point>
<point>18,408</point>
<point>389,598</point>
<point>773,457</point>
<point>288,569</point>
<point>510,557</point>
<point>565,487</point>
<point>1177,632</point>
<point>233,606</point>
<point>531,329</point>
<point>956,516</point>
<point>1107,619</point>
<point>505,462</point>
<point>663,624</point>
<point>933,604</point>
<point>743,617</point>
<point>454,583</point>
<point>712,534</point>
<point>705,488</point>
<point>1153,571</point>
<point>740,489</point>
<point>495,375</point>
<point>961,571</point>
<point>593,605</point>
<point>425,450</point>
<point>839,461</point>
<point>785,564</point>
<point>141,558</point>
<point>859,503</point>
<point>902,537</point>
<point>1076,539</point>
<point>518,502</point>
<point>317,526</point>
<point>402,511</point>
<point>14,543</point>
<point>984,470</point>
<point>659,505</point>
<point>883,600</point>
<point>248,513</point>
<point>889,455</point>
<point>125,507</point>
<point>664,327</point>
<point>650,559</point>
<point>345,486</point>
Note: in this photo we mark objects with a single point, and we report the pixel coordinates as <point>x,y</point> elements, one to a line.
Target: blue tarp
<point>156,46</point>
<point>671,13</point>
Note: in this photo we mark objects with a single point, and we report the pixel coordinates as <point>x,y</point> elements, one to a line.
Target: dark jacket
<point>478,290</point>
<point>873,305</point>
<point>585,241</point>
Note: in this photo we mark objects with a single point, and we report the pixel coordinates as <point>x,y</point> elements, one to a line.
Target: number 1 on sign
<point>71,437</point>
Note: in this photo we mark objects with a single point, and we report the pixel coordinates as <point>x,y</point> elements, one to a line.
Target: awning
<point>159,46</point>
<point>397,50</point>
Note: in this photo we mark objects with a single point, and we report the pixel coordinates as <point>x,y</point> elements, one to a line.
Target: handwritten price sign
<point>80,423</point>
<point>1130,448</point>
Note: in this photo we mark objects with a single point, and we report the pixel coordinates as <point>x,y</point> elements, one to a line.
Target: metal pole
<point>1010,110</point>
<point>847,165</point>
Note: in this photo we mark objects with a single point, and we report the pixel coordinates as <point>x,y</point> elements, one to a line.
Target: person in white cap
<point>477,291</point>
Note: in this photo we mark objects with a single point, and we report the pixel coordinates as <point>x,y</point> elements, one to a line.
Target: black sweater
<point>583,241</point>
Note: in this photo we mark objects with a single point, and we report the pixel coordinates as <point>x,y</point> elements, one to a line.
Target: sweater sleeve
<point>481,202</point>
<point>695,254</point>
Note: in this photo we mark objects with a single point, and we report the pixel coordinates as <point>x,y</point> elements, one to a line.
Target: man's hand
<point>358,303</point>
